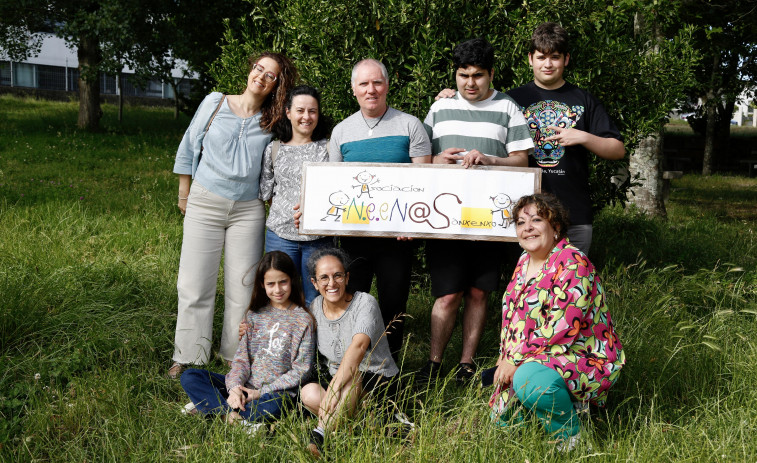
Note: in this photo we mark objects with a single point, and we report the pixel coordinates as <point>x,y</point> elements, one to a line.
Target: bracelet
<point>181,199</point>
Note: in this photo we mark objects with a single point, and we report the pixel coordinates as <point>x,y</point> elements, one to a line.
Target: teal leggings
<point>543,391</point>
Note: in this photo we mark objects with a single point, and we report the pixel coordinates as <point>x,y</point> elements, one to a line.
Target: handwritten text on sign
<point>432,201</point>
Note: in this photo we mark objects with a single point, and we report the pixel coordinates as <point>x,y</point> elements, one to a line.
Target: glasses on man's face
<point>269,77</point>
<point>323,280</point>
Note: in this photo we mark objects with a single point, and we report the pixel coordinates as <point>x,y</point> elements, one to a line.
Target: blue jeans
<point>300,252</point>
<point>208,392</point>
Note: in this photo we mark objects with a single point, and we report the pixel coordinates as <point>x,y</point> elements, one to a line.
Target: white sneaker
<point>404,419</point>
<point>254,428</point>
<point>189,409</point>
<point>581,407</point>
<point>565,446</point>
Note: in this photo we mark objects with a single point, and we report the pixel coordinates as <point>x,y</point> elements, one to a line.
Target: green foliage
<point>88,265</point>
<point>725,36</point>
<point>415,40</point>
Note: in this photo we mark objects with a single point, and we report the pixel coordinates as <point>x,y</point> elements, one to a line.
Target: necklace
<point>281,308</point>
<point>370,129</point>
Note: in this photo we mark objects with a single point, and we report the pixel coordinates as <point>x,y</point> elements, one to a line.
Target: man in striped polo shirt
<point>478,126</point>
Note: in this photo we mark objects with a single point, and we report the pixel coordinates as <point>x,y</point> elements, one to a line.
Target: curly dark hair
<point>474,52</point>
<point>549,37</point>
<point>273,106</point>
<point>283,129</point>
<point>338,253</point>
<point>548,207</point>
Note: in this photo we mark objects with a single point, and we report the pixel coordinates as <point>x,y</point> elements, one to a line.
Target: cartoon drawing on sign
<point>337,199</point>
<point>365,179</point>
<point>502,204</point>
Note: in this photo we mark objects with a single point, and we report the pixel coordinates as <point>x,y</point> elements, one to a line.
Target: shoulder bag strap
<point>214,113</point>
<point>207,127</point>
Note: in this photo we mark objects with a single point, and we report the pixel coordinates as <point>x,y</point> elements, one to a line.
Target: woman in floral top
<point>301,136</point>
<point>558,348</point>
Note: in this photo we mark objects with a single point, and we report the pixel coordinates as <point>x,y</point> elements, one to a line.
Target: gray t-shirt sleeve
<point>419,139</point>
<point>367,316</point>
<point>335,152</point>
<point>368,320</point>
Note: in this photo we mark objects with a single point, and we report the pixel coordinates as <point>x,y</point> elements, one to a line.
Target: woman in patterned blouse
<point>302,135</point>
<point>558,349</point>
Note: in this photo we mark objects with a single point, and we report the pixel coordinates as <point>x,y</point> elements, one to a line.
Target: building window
<point>25,75</point>
<point>73,79</point>
<point>56,77</point>
<point>51,77</point>
<point>5,73</point>
<point>107,84</point>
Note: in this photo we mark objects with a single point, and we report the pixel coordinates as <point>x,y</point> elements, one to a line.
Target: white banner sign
<point>419,200</point>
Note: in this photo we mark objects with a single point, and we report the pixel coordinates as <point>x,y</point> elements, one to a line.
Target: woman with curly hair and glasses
<point>219,163</point>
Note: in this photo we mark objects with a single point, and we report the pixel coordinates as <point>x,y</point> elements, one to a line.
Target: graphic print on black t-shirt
<point>565,170</point>
<point>543,114</point>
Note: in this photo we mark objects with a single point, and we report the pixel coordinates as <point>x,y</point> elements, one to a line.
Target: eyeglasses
<point>269,77</point>
<point>323,280</point>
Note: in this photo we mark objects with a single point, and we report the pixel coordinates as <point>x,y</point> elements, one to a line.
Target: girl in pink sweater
<point>275,352</point>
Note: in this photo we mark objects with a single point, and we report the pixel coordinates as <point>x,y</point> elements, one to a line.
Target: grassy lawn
<point>88,260</point>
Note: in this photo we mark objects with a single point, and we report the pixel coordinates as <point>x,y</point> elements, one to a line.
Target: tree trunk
<point>710,108</point>
<point>646,161</point>
<point>175,86</point>
<point>722,146</point>
<point>709,133</point>
<point>119,76</point>
<point>89,84</point>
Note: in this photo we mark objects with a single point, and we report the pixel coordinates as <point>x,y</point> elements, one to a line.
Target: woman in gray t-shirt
<point>352,338</point>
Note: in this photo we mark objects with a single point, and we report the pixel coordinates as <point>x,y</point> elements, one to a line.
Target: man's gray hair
<point>369,61</point>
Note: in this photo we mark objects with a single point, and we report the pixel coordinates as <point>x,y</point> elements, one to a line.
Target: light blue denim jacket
<point>233,151</point>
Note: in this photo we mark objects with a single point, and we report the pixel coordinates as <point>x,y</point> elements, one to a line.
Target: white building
<point>743,112</point>
<point>56,68</point>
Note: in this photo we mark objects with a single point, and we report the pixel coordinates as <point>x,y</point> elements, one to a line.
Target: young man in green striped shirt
<point>478,126</point>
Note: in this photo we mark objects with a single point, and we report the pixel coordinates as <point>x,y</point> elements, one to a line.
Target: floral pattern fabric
<point>559,319</point>
<point>280,181</point>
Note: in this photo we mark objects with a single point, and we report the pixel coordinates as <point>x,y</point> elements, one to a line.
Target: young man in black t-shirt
<point>566,123</point>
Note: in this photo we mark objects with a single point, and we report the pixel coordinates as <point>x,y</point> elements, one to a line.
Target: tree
<point>414,39</point>
<point>189,38</point>
<point>726,36</point>
<point>646,162</point>
<point>146,35</point>
<point>85,24</point>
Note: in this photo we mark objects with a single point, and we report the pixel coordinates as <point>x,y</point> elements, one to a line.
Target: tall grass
<point>88,257</point>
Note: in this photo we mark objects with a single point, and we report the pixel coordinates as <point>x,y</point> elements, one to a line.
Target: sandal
<point>176,370</point>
